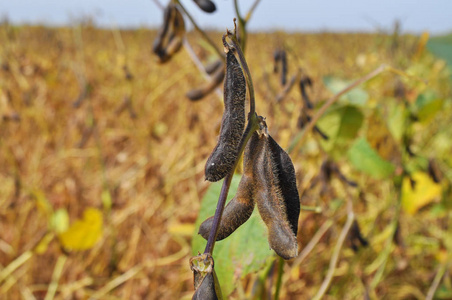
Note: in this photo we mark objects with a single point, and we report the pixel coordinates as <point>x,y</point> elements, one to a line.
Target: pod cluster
<point>170,37</point>
<point>224,155</point>
<point>280,58</point>
<point>269,181</point>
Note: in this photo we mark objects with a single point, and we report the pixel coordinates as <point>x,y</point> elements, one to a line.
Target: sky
<point>415,16</point>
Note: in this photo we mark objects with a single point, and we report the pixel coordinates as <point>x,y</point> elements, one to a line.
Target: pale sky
<point>415,16</point>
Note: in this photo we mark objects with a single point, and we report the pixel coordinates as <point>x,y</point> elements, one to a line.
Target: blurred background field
<point>102,163</point>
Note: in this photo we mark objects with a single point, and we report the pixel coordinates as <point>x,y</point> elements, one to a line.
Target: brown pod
<point>214,66</point>
<point>276,59</point>
<point>240,208</point>
<point>201,92</point>
<point>277,197</point>
<point>304,82</point>
<point>206,5</point>
<point>205,279</point>
<point>169,39</point>
<point>223,156</point>
<point>209,288</point>
<point>283,67</point>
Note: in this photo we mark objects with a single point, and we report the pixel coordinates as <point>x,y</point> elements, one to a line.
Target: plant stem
<point>199,65</point>
<point>202,32</point>
<point>337,249</point>
<point>279,279</point>
<point>252,126</point>
<point>242,24</point>
<point>437,280</point>
<point>251,11</point>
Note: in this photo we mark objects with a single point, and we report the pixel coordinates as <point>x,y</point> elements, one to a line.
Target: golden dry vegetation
<point>90,120</point>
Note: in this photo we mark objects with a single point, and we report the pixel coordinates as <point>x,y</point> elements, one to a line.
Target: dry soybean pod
<point>209,288</point>
<point>223,156</point>
<point>214,66</point>
<point>169,39</point>
<point>276,59</point>
<point>207,88</point>
<point>240,208</point>
<point>304,82</point>
<point>283,67</point>
<point>287,182</point>
<point>206,5</point>
<point>277,197</point>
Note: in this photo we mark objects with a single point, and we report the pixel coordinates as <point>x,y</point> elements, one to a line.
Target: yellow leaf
<point>181,229</point>
<point>424,192</point>
<point>83,234</point>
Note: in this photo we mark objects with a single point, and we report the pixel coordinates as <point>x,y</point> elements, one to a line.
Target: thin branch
<point>57,271</point>
<point>337,249</point>
<point>437,280</point>
<point>199,65</point>
<point>299,139</point>
<point>114,283</point>
<point>160,5</point>
<point>251,11</point>
<point>242,24</point>
<point>202,32</point>
<point>312,243</point>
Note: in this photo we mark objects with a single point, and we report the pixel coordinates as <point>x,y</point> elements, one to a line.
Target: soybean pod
<point>223,156</point>
<point>277,197</point>
<point>240,208</point>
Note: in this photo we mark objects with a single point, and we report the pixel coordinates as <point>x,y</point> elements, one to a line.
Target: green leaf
<point>397,117</point>
<point>356,96</point>
<point>341,125</point>
<point>427,105</point>
<point>244,252</point>
<point>365,159</point>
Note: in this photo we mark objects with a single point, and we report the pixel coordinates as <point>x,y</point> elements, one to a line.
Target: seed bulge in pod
<point>223,156</point>
<point>240,208</point>
<point>277,197</point>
